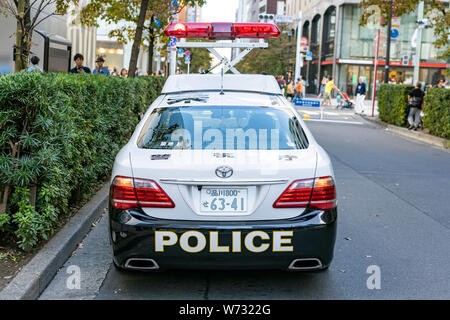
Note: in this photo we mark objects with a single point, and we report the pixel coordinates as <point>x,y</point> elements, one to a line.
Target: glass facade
<point>357,49</point>
<point>360,42</point>
<point>329,29</point>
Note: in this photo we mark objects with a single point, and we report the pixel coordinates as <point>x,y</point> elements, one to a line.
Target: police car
<point>222,173</point>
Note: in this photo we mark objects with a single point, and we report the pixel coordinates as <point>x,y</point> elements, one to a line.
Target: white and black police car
<point>222,173</point>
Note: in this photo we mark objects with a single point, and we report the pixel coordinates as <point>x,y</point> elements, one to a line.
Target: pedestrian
<point>415,103</point>
<point>440,84</point>
<point>322,87</point>
<point>299,89</point>
<point>327,92</point>
<point>35,65</point>
<point>100,69</point>
<point>79,68</point>
<point>303,86</point>
<point>290,90</point>
<point>124,73</point>
<point>115,73</point>
<point>360,94</point>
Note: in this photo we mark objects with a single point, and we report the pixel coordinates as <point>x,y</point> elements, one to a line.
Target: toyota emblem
<point>224,172</point>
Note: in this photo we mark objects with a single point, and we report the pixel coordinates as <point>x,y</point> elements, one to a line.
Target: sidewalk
<point>416,135</point>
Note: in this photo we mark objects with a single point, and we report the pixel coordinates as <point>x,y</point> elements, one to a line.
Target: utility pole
<point>374,92</point>
<point>288,65</point>
<point>299,57</point>
<point>418,44</point>
<point>388,45</point>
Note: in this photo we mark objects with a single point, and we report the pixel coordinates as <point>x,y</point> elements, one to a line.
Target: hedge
<point>393,101</point>
<point>437,112</point>
<point>59,135</point>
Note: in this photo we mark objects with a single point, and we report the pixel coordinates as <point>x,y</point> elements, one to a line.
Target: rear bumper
<point>313,236</point>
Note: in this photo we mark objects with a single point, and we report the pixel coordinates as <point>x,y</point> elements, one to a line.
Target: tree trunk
<point>23,35</point>
<point>151,47</point>
<point>18,66</point>
<point>137,39</point>
<point>151,50</point>
<point>4,203</point>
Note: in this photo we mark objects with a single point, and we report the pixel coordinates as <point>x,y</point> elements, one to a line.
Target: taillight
<point>324,194</point>
<point>319,193</point>
<point>127,193</point>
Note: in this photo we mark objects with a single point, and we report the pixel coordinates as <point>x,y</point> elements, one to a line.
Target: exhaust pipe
<point>141,264</point>
<point>305,264</point>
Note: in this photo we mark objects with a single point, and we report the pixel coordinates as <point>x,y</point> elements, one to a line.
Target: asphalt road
<point>394,213</point>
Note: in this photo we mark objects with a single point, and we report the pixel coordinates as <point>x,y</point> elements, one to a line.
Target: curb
<point>34,277</point>
<point>419,136</point>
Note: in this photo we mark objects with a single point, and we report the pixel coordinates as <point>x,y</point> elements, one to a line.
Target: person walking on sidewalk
<point>299,89</point>
<point>329,87</point>
<point>322,87</point>
<point>360,95</point>
<point>290,90</point>
<point>415,102</point>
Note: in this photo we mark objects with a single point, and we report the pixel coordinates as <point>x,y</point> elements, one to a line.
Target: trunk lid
<point>200,182</point>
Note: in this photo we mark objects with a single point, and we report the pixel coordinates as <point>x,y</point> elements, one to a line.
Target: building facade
<point>346,51</point>
<point>82,39</point>
<point>254,8</point>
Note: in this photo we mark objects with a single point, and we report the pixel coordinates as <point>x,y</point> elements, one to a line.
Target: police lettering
<point>254,241</point>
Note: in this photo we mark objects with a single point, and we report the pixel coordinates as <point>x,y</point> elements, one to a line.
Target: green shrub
<point>59,135</point>
<point>437,112</point>
<point>392,102</point>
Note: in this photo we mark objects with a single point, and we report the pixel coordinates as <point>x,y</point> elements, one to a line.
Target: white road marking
<point>335,121</point>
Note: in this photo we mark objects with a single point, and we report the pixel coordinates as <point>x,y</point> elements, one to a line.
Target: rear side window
<point>223,128</point>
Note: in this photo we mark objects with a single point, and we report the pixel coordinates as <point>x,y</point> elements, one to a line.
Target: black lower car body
<point>133,240</point>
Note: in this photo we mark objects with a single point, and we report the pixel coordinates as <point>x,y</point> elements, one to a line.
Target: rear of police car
<point>222,173</point>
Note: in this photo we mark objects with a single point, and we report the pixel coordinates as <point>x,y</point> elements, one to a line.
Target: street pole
<point>388,45</point>
<point>376,71</point>
<point>288,54</point>
<point>418,45</point>
<point>298,54</point>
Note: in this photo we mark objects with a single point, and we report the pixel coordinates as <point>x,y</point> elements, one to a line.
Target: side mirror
<point>140,116</point>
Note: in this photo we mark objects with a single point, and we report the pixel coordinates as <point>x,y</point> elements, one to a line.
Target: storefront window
<point>315,37</point>
<point>329,32</point>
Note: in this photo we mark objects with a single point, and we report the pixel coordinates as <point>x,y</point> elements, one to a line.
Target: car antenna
<point>221,84</point>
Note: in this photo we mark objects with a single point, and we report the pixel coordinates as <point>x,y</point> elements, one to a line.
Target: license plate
<point>223,200</point>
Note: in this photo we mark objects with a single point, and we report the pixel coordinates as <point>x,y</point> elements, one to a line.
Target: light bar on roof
<point>222,30</point>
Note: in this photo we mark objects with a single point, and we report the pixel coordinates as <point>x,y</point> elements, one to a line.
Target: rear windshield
<point>223,128</point>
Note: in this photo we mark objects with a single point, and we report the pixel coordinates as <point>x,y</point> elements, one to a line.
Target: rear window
<point>223,128</point>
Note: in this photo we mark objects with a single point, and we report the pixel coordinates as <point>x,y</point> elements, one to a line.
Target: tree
<point>271,60</point>
<point>141,19</point>
<point>200,58</point>
<point>436,11</point>
<point>27,22</point>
